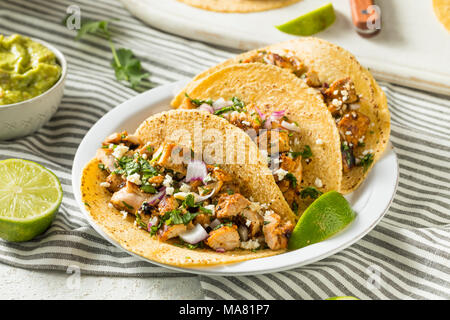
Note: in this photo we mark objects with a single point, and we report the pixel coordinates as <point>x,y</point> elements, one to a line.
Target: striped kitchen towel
<point>405,256</point>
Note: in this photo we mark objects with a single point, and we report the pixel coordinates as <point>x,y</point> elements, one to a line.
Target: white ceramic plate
<point>370,201</point>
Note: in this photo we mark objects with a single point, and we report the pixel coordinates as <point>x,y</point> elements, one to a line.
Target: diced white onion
<point>195,235</point>
<point>196,170</point>
<point>215,223</point>
<point>290,126</point>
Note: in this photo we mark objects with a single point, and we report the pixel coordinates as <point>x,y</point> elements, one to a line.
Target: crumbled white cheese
<point>167,181</point>
<point>354,106</point>
<point>170,190</point>
<point>344,92</point>
<point>135,178</point>
<point>264,205</point>
<point>335,92</point>
<point>119,151</point>
<point>336,102</point>
<point>268,212</point>
<point>124,214</point>
<point>248,223</point>
<point>185,188</point>
<point>281,173</point>
<point>144,156</point>
<point>250,244</point>
<point>105,184</point>
<point>348,133</point>
<point>365,152</point>
<point>319,142</point>
<point>110,205</point>
<point>246,123</point>
<point>318,183</point>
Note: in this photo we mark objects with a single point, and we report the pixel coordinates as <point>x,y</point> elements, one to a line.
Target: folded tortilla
<point>241,6</point>
<point>183,127</point>
<point>331,63</point>
<point>273,89</point>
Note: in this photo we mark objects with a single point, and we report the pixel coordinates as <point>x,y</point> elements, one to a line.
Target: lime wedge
<point>30,196</point>
<point>326,216</point>
<point>311,22</point>
<point>343,298</point>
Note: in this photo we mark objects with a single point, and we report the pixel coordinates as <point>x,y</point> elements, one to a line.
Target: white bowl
<point>25,117</point>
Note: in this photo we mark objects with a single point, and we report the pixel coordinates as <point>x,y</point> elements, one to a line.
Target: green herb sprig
<point>126,66</point>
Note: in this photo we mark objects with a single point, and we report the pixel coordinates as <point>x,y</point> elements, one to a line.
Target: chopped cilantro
<point>101,166</point>
<point>295,207</point>
<point>198,102</point>
<point>305,154</point>
<point>292,179</point>
<point>366,161</point>
<point>176,217</point>
<point>127,205</point>
<point>311,192</point>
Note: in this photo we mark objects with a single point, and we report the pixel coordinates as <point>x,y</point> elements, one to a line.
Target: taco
<point>241,6</point>
<point>286,119</point>
<point>351,94</point>
<point>166,194</point>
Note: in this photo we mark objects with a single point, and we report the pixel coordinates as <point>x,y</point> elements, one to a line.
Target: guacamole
<point>27,69</point>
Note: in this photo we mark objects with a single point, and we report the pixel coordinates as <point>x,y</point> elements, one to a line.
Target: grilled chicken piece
<point>342,90</point>
<point>242,120</point>
<point>203,219</point>
<point>106,158</point>
<point>167,161</point>
<point>312,79</point>
<point>168,232</point>
<point>230,205</point>
<point>129,198</point>
<point>353,126</point>
<point>274,141</point>
<point>156,180</point>
<point>219,174</point>
<point>256,222</point>
<point>116,182</point>
<point>114,138</point>
<point>117,138</point>
<point>293,166</point>
<point>275,233</point>
<point>225,237</point>
<point>167,204</point>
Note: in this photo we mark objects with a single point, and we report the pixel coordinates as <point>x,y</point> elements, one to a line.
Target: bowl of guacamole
<point>32,77</point>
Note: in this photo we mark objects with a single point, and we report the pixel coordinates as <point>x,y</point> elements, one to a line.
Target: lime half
<point>311,22</point>
<point>343,298</point>
<point>30,196</point>
<point>326,216</point>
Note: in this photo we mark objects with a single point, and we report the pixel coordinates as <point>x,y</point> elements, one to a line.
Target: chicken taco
<point>241,6</point>
<point>285,118</point>
<point>349,91</point>
<point>166,194</point>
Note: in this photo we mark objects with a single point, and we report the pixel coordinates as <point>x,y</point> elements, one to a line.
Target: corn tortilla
<point>331,62</point>
<point>254,179</point>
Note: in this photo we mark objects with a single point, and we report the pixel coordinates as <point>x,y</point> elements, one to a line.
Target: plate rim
<point>166,92</point>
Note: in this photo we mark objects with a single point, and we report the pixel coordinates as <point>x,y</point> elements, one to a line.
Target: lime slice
<point>342,298</point>
<point>30,196</point>
<point>311,22</point>
<point>326,216</point>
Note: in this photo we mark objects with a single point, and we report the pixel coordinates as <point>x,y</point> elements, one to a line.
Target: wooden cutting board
<point>412,49</point>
